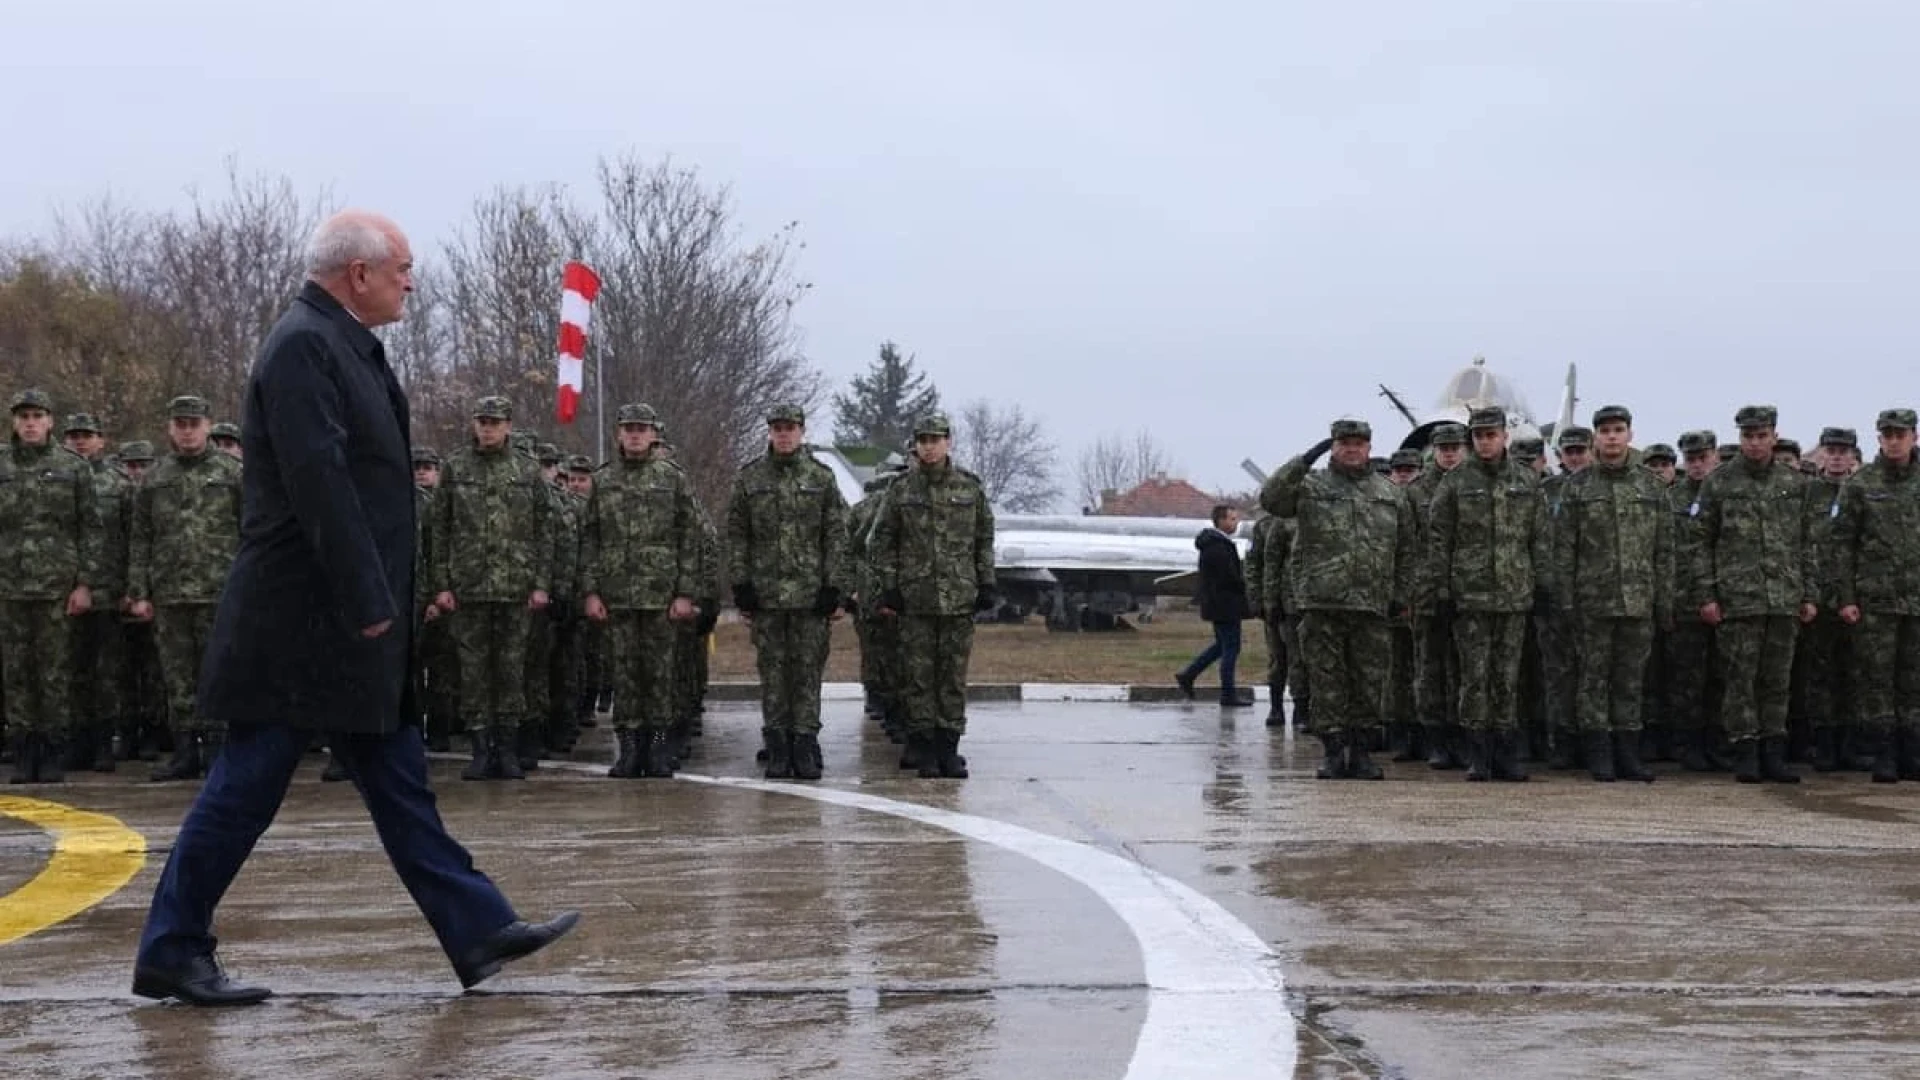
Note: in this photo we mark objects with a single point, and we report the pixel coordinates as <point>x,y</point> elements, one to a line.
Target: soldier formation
<point>1729,606</point>
<point>547,589</point>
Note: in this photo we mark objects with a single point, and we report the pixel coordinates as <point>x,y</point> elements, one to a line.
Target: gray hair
<point>344,239</point>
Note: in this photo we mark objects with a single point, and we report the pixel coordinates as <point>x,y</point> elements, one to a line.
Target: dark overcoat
<point>326,536</point>
<point>1222,589</point>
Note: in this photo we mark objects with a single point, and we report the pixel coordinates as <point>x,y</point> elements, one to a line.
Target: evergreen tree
<point>881,406</point>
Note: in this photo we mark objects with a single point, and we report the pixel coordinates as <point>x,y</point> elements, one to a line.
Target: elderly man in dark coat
<point>313,629</point>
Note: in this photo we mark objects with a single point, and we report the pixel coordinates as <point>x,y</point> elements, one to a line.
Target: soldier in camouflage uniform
<point>1554,630</point>
<point>1876,575</point>
<point>1754,578</point>
<point>563,669</point>
<point>537,730</point>
<point>185,532</point>
<point>932,541</point>
<point>639,557</point>
<point>143,693</point>
<point>50,545</point>
<point>1352,565</point>
<point>692,641</point>
<point>1656,733</point>
<point>787,552</point>
<point>1613,538</point>
<point>1271,616</point>
<point>1436,687</point>
<point>225,437</point>
<point>439,660</point>
<point>589,636</point>
<point>99,646</point>
<point>1692,702</point>
<point>1823,661</point>
<point>1787,452</point>
<point>495,536</point>
<point>1276,576</point>
<point>879,637</point>
<point>1488,565</point>
<point>1406,737</point>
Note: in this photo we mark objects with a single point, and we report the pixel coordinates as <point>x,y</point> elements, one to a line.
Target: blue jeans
<point>242,794</point>
<point>1226,649</point>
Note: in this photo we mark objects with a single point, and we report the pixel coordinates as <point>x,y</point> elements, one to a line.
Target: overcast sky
<point>1225,221</point>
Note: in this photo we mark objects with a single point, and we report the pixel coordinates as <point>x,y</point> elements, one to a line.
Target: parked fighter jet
<point>1476,387</point>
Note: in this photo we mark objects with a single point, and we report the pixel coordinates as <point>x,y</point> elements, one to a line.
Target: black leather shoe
<point>200,982</point>
<point>511,942</point>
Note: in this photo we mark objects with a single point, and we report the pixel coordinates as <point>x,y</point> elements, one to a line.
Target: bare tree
<point>1011,454</point>
<point>1116,463</point>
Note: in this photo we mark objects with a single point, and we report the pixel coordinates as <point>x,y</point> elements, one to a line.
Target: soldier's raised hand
<point>1316,451</point>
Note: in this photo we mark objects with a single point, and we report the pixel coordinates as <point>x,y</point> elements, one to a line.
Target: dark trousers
<point>1226,649</point>
<point>243,792</point>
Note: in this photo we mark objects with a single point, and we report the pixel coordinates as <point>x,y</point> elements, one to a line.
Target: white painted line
<point>1040,691</point>
<point>842,691</point>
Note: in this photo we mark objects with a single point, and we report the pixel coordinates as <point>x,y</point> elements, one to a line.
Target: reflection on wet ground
<point>1426,927</point>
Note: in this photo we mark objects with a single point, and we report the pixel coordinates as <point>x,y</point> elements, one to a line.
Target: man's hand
<point>1316,451</point>
<point>1710,613</point>
<point>432,613</point>
<point>376,629</point>
<point>682,609</point>
<point>79,601</point>
<point>539,600</point>
<point>142,610</point>
<point>596,610</point>
<point>445,602</point>
<point>1808,613</point>
<point>891,603</point>
<point>984,600</point>
<point>1850,614</point>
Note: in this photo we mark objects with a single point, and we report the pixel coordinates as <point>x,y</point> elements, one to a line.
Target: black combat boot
<point>505,758</point>
<point>184,763</point>
<point>1444,749</point>
<point>952,765</point>
<point>1479,756</point>
<point>1746,761</point>
<point>1566,751</point>
<point>22,760</point>
<point>1626,758</point>
<point>336,770</point>
<point>482,767</point>
<point>929,755</point>
<point>779,754</point>
<point>1360,766</point>
<point>910,748</point>
<point>1504,757</point>
<point>1403,740</point>
<point>1599,753</point>
<point>659,755</point>
<point>1773,761</point>
<point>1886,758</point>
<point>626,761</point>
<point>1826,750</point>
<point>104,759</point>
<point>1712,744</point>
<point>1333,760</point>
<point>1909,755</point>
<point>528,746</point>
<point>1276,704</point>
<point>1303,714</point>
<point>1693,751</point>
<point>805,756</point>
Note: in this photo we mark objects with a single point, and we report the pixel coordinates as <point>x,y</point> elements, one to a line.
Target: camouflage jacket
<point>1876,540</point>
<point>1613,543</point>
<point>1254,567</point>
<point>113,493</point>
<point>1276,557</point>
<point>496,531</point>
<point>1752,554</point>
<point>568,509</point>
<point>1420,495</point>
<point>1686,541</point>
<point>1353,545</point>
<point>1488,544</point>
<point>422,537</point>
<point>49,522</point>
<point>186,529</point>
<point>787,530</point>
<point>932,540</point>
<point>706,572</point>
<point>640,547</point>
<point>1823,506</point>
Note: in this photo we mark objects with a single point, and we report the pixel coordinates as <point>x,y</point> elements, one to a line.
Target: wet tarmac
<point>1113,894</point>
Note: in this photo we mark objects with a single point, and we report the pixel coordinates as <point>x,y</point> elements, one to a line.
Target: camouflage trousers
<point>99,660</point>
<point>1613,673</point>
<point>1559,670</point>
<point>1825,673</point>
<point>36,681</point>
<point>1487,648</point>
<point>1344,654</point>
<point>640,654</point>
<point>1886,656</point>
<point>688,645</point>
<point>1297,671</point>
<point>934,651</point>
<point>180,637</point>
<point>564,667</point>
<point>143,692</point>
<point>880,661</point>
<point>1436,673</point>
<point>1396,699</point>
<point>1756,663</point>
<point>491,641</point>
<point>440,670</point>
<point>537,670</point>
<point>1271,628</point>
<point>790,648</point>
<point>1690,676</point>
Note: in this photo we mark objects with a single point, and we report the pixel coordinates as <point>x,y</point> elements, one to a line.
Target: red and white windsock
<point>579,287</point>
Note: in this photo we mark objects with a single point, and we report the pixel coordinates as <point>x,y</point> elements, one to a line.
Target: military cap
<point>1379,465</point>
<point>637,413</point>
<point>1839,436</point>
<point>137,450</point>
<point>1895,420</point>
<point>1492,416</point>
<point>1449,435</point>
<point>225,429</point>
<point>548,454</point>
<point>82,422</point>
<point>933,424</point>
<point>1787,446</point>
<point>579,463</point>
<point>31,399</point>
<point>1405,459</point>
<point>662,446</point>
<point>1351,429</point>
<point>1728,451</point>
<point>1756,416</point>
<point>425,455</point>
<point>1528,449</point>
<point>1577,437</point>
<point>1606,414</point>
<point>1660,452</point>
<point>189,407</point>
<point>1694,442</point>
<point>493,407</point>
<point>786,412</point>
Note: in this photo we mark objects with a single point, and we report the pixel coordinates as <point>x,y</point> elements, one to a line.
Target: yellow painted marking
<point>94,856</point>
